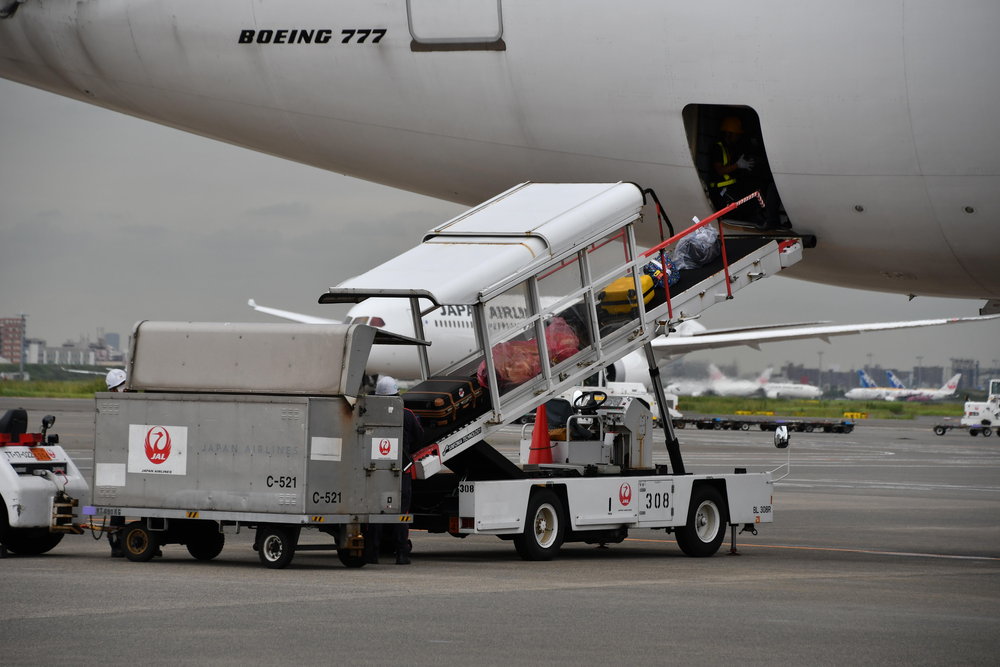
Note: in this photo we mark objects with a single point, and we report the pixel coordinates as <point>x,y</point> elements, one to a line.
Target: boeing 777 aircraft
<point>873,122</point>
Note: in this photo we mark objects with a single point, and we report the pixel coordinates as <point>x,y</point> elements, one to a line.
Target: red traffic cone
<point>541,446</point>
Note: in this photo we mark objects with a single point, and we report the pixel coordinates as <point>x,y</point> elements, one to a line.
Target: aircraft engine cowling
<point>631,368</point>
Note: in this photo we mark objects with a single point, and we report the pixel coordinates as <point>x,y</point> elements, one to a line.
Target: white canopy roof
<point>507,236</point>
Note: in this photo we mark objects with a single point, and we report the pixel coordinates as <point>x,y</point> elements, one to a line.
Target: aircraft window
<point>377,322</point>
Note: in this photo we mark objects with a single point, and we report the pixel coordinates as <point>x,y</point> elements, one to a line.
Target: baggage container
<point>263,426</point>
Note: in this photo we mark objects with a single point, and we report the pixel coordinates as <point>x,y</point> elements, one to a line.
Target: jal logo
<point>461,392</point>
<point>157,445</point>
<point>625,494</point>
<point>384,447</point>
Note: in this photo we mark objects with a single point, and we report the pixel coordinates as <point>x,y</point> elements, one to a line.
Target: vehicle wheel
<point>706,523</point>
<point>940,430</point>
<point>679,425</point>
<point>810,428</point>
<point>987,432</point>
<point>26,541</point>
<point>276,546</point>
<point>847,429</point>
<point>205,541</point>
<point>744,426</point>
<point>973,432</point>
<point>139,543</point>
<point>543,527</point>
<point>350,560</point>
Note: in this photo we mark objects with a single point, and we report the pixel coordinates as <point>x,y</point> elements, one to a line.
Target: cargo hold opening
<point>727,147</point>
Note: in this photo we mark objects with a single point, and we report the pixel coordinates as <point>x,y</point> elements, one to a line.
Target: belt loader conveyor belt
<point>536,254</point>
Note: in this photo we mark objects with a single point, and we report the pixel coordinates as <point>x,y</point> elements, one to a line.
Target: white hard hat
<point>386,386</point>
<point>116,376</point>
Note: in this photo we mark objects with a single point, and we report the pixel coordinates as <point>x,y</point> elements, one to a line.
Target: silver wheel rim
<point>546,525</point>
<point>706,521</point>
<point>271,548</point>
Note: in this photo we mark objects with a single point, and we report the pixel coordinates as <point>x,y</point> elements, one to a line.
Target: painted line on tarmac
<point>839,549</point>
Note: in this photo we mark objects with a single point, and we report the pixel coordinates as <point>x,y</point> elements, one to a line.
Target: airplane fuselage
<point>877,118</point>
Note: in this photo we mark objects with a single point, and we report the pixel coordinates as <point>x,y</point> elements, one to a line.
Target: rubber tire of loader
<point>25,541</point>
<point>204,540</point>
<point>348,560</point>
<point>276,546</point>
<point>706,523</point>
<point>544,527</point>
<point>940,430</point>
<point>139,543</point>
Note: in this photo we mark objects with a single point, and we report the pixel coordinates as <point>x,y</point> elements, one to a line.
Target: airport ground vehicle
<point>979,417</point>
<point>538,257</point>
<point>766,424</point>
<point>39,487</point>
<point>261,426</point>
<point>269,427</point>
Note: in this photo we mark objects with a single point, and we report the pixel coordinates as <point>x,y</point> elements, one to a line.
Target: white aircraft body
<point>450,331</point>
<point>719,385</point>
<point>869,391</point>
<point>791,390</point>
<point>947,390</point>
<point>878,119</point>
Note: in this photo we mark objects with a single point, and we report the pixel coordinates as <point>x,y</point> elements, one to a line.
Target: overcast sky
<point>106,220</point>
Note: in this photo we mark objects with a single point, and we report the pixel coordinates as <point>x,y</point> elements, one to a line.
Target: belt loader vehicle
<point>534,267</point>
<point>261,426</point>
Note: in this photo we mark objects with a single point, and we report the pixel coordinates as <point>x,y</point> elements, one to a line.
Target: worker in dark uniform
<point>413,433</point>
<point>738,171</point>
<point>732,164</point>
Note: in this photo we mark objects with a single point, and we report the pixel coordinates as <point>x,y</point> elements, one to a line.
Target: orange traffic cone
<point>541,446</point>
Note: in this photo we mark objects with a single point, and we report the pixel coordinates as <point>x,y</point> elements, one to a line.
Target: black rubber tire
<point>205,541</point>
<point>275,546</point>
<point>350,561</point>
<point>744,426</point>
<point>706,523</point>
<point>544,527</point>
<point>139,543</point>
<point>940,430</point>
<point>987,431</point>
<point>973,432</point>
<point>25,541</point>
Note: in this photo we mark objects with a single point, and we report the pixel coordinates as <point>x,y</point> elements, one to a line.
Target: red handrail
<point>698,225</point>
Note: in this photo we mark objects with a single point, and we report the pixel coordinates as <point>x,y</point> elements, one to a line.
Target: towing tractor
<point>40,487</point>
<point>978,417</point>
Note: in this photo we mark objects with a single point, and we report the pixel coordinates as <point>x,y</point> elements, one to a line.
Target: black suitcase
<point>442,400</point>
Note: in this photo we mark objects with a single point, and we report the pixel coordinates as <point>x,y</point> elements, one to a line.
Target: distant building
<point>11,335</point>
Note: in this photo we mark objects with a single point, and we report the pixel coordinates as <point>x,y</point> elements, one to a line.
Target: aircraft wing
<point>671,345</point>
<point>289,315</point>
